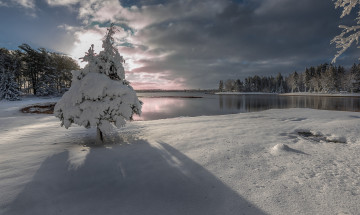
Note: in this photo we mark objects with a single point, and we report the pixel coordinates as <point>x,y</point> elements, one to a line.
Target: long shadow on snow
<point>131,179</point>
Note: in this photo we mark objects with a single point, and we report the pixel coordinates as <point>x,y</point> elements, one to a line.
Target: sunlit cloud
<point>62,2</point>
<point>193,44</point>
<point>159,80</point>
<point>84,40</point>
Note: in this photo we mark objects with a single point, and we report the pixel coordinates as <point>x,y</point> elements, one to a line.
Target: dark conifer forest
<point>29,71</point>
<point>325,78</point>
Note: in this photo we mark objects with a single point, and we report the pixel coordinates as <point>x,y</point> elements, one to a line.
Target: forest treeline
<point>39,72</point>
<point>325,78</point>
<point>34,71</point>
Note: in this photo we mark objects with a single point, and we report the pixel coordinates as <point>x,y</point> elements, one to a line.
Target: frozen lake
<point>176,104</point>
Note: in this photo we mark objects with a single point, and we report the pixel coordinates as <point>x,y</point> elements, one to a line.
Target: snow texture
<point>270,162</point>
<point>99,95</point>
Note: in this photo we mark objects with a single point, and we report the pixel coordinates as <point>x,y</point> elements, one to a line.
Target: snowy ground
<point>289,161</point>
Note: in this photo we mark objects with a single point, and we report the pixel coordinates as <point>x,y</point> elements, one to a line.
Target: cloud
<point>24,3</point>
<point>62,2</point>
<point>237,40</point>
<point>194,44</point>
<point>28,5</point>
<point>154,81</point>
<point>3,4</point>
<point>204,41</point>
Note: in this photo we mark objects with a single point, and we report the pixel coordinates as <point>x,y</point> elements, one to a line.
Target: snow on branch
<point>348,5</point>
<point>349,34</point>
<point>343,41</point>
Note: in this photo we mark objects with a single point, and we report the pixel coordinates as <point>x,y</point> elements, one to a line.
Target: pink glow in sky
<point>184,44</point>
<point>141,76</point>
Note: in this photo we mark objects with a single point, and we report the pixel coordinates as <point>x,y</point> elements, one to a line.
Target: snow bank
<point>280,148</point>
<point>248,163</point>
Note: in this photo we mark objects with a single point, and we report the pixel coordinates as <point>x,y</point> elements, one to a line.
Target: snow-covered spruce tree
<point>9,89</point>
<point>99,95</point>
<point>349,34</point>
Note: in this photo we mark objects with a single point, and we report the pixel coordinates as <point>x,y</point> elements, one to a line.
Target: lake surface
<point>176,104</point>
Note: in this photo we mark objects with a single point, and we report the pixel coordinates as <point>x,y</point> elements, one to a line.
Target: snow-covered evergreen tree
<point>353,78</point>
<point>99,95</point>
<point>9,89</point>
<point>293,81</point>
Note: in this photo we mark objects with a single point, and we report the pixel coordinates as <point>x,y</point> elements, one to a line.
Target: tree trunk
<point>99,136</point>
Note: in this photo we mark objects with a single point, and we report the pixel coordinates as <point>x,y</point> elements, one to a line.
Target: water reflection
<point>250,103</point>
<point>160,108</point>
<point>169,106</point>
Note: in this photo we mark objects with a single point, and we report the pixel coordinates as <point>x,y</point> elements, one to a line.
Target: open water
<point>177,104</point>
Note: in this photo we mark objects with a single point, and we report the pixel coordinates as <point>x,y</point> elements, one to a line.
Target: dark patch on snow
<point>298,119</point>
<point>46,108</point>
<point>319,137</point>
<point>356,117</point>
<point>306,134</point>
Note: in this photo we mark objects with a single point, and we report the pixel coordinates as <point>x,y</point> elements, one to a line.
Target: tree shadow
<point>288,149</point>
<point>356,117</point>
<point>139,178</point>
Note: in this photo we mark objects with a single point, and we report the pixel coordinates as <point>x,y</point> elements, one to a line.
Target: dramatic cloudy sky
<point>183,43</point>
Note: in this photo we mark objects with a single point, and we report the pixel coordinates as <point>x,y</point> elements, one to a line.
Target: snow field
<point>290,161</point>
<point>303,176</point>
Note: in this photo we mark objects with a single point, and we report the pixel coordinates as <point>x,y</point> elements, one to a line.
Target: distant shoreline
<point>323,94</point>
<point>292,94</point>
<point>244,93</point>
<point>175,91</point>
